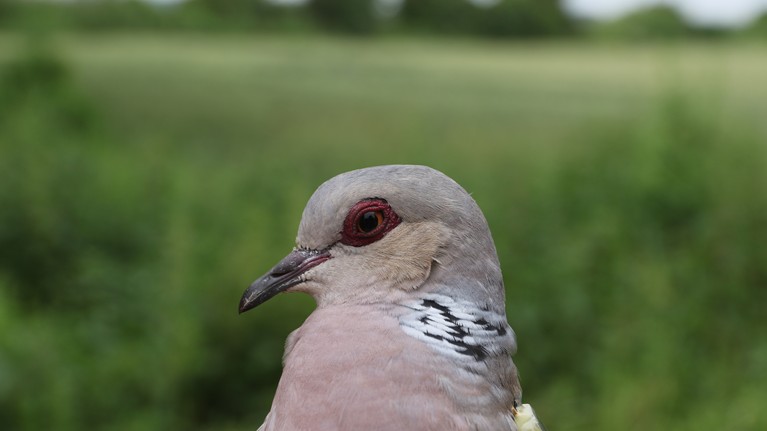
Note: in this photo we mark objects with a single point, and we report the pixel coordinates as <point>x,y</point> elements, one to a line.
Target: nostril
<point>286,266</point>
<point>297,262</point>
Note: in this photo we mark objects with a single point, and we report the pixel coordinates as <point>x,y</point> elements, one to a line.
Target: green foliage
<point>38,108</point>
<point>6,11</point>
<point>117,15</point>
<point>139,197</point>
<point>348,16</point>
<point>512,19</point>
<point>88,15</point>
<point>241,15</point>
<point>651,23</point>
<point>524,18</point>
<point>757,29</point>
<point>507,18</point>
<point>660,276</point>
<point>440,16</point>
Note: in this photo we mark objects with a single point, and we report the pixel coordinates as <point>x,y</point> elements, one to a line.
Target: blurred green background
<point>155,160</point>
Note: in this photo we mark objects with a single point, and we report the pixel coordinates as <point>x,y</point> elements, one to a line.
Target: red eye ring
<point>360,229</point>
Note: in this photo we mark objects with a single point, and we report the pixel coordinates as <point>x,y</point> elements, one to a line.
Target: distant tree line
<point>496,19</point>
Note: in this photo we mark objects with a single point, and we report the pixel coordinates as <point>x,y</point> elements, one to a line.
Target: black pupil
<point>368,221</point>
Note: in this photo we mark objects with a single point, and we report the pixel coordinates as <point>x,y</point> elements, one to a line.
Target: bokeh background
<point>155,159</point>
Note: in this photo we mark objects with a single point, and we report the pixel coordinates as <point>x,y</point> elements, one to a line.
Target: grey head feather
<point>466,265</point>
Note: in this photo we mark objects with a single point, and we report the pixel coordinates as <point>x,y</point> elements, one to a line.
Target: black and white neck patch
<point>458,329</point>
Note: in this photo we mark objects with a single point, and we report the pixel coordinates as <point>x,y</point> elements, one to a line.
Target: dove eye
<point>367,222</point>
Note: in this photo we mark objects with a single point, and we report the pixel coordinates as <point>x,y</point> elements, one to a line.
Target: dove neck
<point>470,276</point>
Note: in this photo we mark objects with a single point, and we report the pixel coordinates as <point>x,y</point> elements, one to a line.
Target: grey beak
<point>284,275</point>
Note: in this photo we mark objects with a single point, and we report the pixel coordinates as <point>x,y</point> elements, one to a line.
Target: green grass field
<point>145,181</point>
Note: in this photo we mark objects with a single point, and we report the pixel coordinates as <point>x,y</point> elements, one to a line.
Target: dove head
<point>383,234</point>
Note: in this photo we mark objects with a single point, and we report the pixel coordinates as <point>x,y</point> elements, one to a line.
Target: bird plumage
<point>410,330</point>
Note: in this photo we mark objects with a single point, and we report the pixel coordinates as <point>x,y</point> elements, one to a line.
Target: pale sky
<point>730,13</point>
